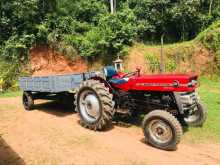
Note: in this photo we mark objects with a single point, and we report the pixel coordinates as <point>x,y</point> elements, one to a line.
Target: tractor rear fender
<point>102,80</point>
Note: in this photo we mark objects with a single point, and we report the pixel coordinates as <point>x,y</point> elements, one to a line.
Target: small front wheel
<point>28,101</point>
<point>162,130</point>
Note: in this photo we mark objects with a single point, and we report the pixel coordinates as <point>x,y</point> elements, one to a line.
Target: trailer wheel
<point>162,130</point>
<point>28,101</point>
<point>198,118</point>
<point>94,104</point>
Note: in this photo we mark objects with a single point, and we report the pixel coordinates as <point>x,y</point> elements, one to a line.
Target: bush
<point>153,62</point>
<point>16,47</point>
<point>210,38</point>
<point>118,30</point>
<point>170,65</point>
<point>86,27</point>
<point>8,74</point>
<point>113,33</point>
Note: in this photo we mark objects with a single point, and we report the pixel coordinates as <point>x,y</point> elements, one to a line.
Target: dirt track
<point>51,135</point>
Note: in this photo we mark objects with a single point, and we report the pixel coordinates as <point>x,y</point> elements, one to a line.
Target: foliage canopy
<point>88,26</point>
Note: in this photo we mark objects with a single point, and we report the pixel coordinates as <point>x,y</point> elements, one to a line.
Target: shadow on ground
<point>55,108</point>
<point>127,121</point>
<point>8,156</point>
<point>61,110</point>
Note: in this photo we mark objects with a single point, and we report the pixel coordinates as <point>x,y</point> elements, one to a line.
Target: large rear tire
<point>94,104</point>
<point>162,130</point>
<point>28,101</point>
<point>198,118</point>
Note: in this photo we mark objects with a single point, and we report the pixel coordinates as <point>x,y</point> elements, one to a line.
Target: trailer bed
<point>54,84</point>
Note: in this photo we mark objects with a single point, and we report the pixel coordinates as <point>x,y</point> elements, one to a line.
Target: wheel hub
<point>89,106</point>
<point>160,131</point>
<point>92,105</point>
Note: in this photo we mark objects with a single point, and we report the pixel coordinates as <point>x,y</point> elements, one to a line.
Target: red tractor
<point>168,100</point>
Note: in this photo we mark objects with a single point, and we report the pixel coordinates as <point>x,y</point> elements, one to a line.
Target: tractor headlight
<point>192,83</point>
<point>176,83</point>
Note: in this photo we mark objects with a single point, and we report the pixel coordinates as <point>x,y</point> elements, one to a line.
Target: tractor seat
<point>117,81</point>
<point>111,72</point>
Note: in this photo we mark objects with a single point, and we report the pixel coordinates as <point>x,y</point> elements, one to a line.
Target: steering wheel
<point>138,70</point>
<point>129,74</point>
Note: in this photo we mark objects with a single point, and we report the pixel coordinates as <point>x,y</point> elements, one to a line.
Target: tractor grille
<point>188,100</point>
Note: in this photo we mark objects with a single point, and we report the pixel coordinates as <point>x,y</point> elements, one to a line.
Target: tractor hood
<point>166,81</point>
<point>169,78</point>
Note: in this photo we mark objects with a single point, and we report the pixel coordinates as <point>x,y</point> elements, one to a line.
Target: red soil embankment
<point>189,59</point>
<point>45,61</point>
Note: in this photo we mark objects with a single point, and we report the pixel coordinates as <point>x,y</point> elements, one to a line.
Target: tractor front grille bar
<point>186,101</point>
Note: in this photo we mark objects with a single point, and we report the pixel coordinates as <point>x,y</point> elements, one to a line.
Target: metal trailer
<point>55,87</point>
<point>53,84</point>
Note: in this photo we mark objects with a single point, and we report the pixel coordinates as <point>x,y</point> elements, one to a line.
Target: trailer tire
<point>198,119</point>
<point>93,102</point>
<point>162,130</point>
<point>28,101</point>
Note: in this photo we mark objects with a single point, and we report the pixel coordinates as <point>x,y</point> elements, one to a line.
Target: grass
<point>10,94</point>
<point>209,92</point>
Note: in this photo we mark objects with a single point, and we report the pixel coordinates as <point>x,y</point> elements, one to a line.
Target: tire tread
<point>171,120</point>
<point>106,103</point>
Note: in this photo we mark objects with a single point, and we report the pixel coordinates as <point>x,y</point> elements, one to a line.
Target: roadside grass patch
<point>209,92</point>
<point>10,94</point>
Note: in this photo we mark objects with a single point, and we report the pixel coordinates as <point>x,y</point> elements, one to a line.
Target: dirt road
<point>50,134</point>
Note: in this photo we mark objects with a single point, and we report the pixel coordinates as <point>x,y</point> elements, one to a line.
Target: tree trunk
<point>210,7</point>
<point>111,6</point>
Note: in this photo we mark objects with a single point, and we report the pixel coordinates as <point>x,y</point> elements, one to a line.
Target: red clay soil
<point>45,61</point>
<point>140,61</point>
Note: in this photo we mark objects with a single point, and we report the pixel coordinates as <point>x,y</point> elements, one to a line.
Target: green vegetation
<point>87,28</point>
<point>210,38</point>
<point>10,94</point>
<point>153,62</point>
<point>207,43</point>
<point>209,92</point>
<point>175,56</point>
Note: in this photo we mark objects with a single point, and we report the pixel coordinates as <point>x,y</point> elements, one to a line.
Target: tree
<point>187,19</point>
